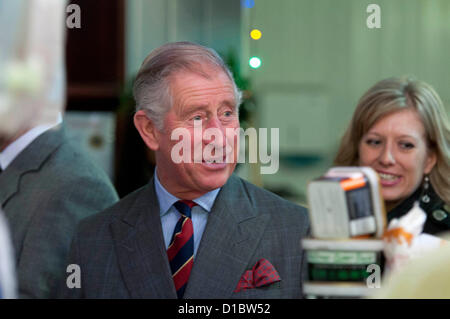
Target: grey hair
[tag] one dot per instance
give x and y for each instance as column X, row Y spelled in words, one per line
column 151, row 89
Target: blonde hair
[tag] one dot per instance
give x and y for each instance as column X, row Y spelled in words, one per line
column 392, row 95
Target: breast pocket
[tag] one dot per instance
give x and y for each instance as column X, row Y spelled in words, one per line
column 273, row 291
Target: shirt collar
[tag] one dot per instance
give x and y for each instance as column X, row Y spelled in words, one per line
column 166, row 200
column 15, row 148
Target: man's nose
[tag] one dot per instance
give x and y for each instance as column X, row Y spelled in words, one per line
column 387, row 156
column 214, row 132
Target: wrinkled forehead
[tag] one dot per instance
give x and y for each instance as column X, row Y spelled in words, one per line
column 199, row 81
column 208, row 71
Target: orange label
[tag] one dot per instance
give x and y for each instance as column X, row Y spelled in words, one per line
column 349, row 184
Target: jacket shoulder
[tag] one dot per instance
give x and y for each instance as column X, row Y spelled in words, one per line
column 69, row 160
column 114, row 212
column 265, row 201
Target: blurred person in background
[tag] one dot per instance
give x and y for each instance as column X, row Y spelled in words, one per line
column 401, row 130
column 46, row 184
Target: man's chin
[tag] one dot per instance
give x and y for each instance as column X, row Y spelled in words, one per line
column 216, row 179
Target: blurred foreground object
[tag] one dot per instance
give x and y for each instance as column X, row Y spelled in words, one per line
column 342, row 268
column 345, row 203
column 426, row 277
column 352, row 251
column 404, row 240
column 8, row 283
column 348, row 219
column 32, row 81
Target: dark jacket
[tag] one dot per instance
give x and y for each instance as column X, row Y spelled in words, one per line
column 121, row 251
column 438, row 212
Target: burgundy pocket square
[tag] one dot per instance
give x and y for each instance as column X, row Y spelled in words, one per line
column 262, row 274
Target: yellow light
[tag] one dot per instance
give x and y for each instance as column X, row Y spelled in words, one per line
column 255, row 34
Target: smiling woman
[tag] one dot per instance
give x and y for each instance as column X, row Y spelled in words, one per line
column 401, row 130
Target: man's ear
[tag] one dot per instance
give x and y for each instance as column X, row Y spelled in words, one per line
column 147, row 130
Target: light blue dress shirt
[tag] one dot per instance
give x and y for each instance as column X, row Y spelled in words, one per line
column 170, row 215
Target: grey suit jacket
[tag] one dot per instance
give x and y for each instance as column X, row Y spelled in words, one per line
column 121, row 251
column 44, row 193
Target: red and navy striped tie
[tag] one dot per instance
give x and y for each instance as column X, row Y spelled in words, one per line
column 181, row 248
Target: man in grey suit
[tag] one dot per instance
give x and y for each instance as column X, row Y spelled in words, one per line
column 196, row 230
column 46, row 186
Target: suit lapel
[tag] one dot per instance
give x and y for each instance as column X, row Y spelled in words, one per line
column 9, row 184
column 30, row 159
column 232, row 234
column 140, row 248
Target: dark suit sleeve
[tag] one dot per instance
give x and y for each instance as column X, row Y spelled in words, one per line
column 42, row 262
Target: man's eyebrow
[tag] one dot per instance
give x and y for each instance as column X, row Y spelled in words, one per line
column 190, row 110
column 230, row 103
column 198, row 107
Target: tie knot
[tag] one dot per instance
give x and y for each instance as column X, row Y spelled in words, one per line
column 184, row 207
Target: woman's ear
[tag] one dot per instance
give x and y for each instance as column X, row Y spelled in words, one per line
column 147, row 130
column 430, row 162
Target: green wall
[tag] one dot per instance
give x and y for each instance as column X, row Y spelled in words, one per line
column 318, row 57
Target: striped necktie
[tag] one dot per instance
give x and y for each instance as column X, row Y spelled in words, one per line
column 181, row 248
